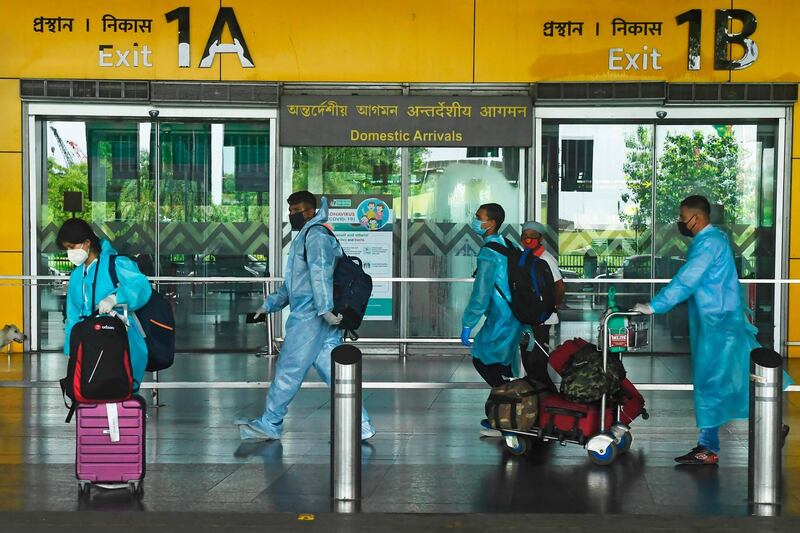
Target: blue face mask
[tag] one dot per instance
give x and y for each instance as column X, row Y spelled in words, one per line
column 477, row 227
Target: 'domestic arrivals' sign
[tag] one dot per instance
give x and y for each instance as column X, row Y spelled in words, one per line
column 405, row 121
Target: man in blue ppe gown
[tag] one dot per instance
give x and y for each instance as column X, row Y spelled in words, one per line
column 90, row 255
column 721, row 336
column 496, row 346
column 312, row 328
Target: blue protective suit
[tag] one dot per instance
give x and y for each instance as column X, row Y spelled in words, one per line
column 498, row 339
column 308, row 291
column 134, row 291
column 721, row 337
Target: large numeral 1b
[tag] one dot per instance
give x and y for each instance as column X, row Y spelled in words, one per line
column 723, row 38
column 695, row 20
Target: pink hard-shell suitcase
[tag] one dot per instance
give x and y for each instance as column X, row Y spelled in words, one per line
column 101, row 461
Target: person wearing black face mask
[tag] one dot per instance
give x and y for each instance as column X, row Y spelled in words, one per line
column 721, row 338
column 684, row 228
column 312, row 328
column 298, row 215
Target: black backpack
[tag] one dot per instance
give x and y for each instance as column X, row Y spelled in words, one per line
column 531, row 283
column 99, row 367
column 352, row 288
column 158, row 325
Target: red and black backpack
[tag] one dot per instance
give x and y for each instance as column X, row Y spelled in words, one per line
column 99, row 367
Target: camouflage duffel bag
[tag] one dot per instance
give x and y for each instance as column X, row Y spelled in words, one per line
column 514, row 405
column 583, row 379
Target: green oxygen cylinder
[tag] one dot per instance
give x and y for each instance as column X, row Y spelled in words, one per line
column 617, row 326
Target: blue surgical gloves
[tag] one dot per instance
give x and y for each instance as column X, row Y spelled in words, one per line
column 645, row 309
column 465, row 337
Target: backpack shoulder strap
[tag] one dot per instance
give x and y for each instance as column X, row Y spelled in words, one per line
column 499, row 248
column 326, row 228
column 112, row 270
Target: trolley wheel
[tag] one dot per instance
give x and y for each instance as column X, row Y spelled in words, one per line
column 517, row 445
column 625, row 442
column 605, row 458
column 84, row 487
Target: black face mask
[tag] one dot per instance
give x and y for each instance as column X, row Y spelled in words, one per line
column 683, row 228
column 297, row 221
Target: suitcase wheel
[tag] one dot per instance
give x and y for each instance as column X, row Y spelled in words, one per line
column 84, row 487
column 136, row 488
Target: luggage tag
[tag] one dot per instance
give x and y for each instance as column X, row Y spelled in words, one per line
column 113, row 422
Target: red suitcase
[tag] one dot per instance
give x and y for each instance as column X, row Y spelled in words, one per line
column 564, row 352
column 631, row 403
column 99, row 459
column 631, row 400
column 570, row 421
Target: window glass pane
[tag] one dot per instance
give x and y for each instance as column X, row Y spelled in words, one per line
column 102, row 169
column 597, row 183
column 733, row 165
column 447, row 187
column 214, row 217
column 352, row 178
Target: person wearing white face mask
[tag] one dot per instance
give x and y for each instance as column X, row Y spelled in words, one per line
column 91, row 289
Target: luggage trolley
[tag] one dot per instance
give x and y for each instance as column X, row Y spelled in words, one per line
column 611, row 440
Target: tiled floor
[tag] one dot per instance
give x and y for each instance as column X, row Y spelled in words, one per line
column 427, row 456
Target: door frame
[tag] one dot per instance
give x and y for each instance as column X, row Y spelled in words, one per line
column 648, row 115
column 37, row 111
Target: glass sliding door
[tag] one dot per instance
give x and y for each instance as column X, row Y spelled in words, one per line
column 734, row 166
column 214, row 222
column 594, row 179
column 101, row 171
column 613, row 192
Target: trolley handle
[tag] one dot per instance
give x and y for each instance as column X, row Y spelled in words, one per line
column 608, row 317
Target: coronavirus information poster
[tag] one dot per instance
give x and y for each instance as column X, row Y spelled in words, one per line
column 363, row 225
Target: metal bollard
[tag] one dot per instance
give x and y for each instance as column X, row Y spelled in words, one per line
column 764, row 458
column 346, row 424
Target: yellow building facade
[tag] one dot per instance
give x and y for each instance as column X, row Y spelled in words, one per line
column 609, row 65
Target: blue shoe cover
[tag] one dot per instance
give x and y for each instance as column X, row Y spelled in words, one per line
column 255, row 429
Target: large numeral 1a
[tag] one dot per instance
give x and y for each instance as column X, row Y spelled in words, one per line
column 181, row 14
column 695, row 20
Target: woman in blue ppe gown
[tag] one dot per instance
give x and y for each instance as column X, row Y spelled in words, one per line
column 721, row 336
column 311, row 329
column 88, row 253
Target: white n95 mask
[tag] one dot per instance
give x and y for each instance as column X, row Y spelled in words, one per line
column 77, row 256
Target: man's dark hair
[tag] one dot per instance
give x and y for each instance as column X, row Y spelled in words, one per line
column 76, row 231
column 495, row 212
column 302, row 197
column 697, row 202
